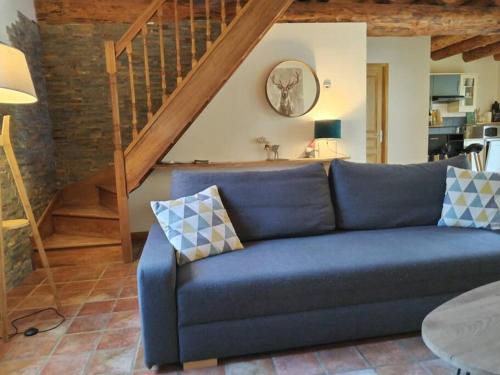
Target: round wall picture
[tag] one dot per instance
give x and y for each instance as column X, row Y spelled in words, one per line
column 292, row 88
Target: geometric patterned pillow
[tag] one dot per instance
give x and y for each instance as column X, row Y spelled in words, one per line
column 472, row 199
column 197, row 226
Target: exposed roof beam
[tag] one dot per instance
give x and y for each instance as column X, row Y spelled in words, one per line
column 452, row 2
column 401, row 20
column 442, row 41
column 478, row 53
column 497, row 57
column 118, row 11
column 466, row 45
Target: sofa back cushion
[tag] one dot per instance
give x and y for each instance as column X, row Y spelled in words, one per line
column 374, row 196
column 267, row 204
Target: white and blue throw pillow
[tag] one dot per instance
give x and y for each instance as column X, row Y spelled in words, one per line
column 197, row 226
column 472, row 199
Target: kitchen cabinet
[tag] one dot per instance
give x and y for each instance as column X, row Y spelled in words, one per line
column 467, row 89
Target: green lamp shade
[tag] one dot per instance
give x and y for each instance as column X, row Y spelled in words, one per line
column 327, row 129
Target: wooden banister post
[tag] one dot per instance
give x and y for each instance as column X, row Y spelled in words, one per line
column 223, row 23
column 118, row 156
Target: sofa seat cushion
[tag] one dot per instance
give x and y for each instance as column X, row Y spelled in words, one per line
column 339, row 269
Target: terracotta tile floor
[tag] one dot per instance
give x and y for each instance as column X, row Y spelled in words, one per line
column 102, row 336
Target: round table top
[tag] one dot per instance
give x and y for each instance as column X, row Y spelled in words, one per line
column 465, row 331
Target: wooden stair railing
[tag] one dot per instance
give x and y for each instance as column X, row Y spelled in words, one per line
column 240, row 28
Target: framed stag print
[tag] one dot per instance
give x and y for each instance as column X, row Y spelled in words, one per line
column 292, row 88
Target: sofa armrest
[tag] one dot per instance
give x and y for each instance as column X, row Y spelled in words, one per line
column 156, row 278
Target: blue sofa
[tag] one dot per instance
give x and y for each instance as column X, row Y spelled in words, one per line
column 327, row 258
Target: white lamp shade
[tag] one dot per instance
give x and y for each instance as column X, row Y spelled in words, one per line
column 16, row 86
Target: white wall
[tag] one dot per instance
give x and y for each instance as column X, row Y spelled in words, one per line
column 8, row 14
column 228, row 127
column 408, row 108
column 488, row 80
column 498, row 73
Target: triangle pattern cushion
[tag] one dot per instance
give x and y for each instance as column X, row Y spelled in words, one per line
column 472, row 199
column 197, row 226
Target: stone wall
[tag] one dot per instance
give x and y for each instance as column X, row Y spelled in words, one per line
column 31, row 132
column 78, row 88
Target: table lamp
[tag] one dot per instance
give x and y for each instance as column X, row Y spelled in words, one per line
column 324, row 132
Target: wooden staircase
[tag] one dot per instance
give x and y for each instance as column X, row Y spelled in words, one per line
column 88, row 222
column 81, row 225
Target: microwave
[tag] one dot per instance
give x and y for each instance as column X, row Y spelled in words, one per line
column 482, row 131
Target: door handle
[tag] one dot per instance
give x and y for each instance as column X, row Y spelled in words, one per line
column 381, row 136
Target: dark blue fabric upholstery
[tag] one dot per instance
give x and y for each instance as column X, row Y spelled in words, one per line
column 278, row 332
column 345, row 268
column 267, row 204
column 371, row 196
column 156, row 278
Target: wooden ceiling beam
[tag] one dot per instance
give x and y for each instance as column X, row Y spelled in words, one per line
column 401, row 20
column 442, row 41
column 479, row 53
column 117, row 11
column 497, row 57
column 466, row 45
column 452, row 2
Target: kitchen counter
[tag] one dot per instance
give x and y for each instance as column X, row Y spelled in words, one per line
column 433, row 130
column 447, row 129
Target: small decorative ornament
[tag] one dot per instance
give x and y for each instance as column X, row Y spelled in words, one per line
column 274, row 150
column 271, row 150
column 292, row 88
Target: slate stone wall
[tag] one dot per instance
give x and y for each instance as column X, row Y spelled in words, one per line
column 31, row 133
column 78, row 88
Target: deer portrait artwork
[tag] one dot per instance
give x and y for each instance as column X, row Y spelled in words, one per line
column 284, row 88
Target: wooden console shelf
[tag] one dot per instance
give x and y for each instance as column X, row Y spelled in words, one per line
column 249, row 164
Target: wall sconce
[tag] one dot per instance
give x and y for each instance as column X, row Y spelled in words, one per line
column 327, row 83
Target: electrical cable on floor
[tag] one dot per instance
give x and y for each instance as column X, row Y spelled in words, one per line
column 32, row 331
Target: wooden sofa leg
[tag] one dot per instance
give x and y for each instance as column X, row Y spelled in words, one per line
column 212, row 362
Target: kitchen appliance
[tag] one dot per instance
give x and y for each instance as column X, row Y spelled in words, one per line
column 482, row 131
column 495, row 110
column 487, row 135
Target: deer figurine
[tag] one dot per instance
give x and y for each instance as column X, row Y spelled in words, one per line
column 286, row 104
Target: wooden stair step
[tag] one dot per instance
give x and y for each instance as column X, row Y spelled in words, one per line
column 69, row 241
column 111, row 187
column 100, row 212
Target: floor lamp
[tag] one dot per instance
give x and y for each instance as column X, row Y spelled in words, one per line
column 16, row 87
